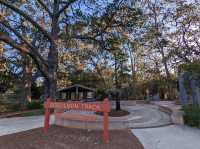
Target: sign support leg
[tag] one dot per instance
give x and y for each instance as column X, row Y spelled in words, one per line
column 47, row 116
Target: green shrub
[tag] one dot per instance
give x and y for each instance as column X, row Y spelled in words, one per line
column 34, row 113
column 100, row 95
column 192, row 116
column 34, row 105
column 15, row 107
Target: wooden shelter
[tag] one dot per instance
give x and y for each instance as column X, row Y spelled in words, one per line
column 77, row 92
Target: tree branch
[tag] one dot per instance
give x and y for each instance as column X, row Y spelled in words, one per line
column 24, row 49
column 45, row 7
column 31, row 47
column 9, row 41
column 27, row 17
column 67, row 4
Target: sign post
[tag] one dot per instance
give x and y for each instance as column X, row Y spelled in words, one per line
column 47, row 115
column 106, row 110
column 93, row 106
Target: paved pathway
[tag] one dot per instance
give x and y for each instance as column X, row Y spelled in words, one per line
column 145, row 115
column 141, row 116
column 18, row 124
column 170, row 137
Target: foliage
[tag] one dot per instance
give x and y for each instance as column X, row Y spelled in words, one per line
column 192, row 115
column 14, row 94
column 97, row 44
column 5, row 76
column 192, row 71
column 34, row 105
column 15, row 107
column 9, row 107
column 101, row 94
column 3, row 107
column 37, row 91
column 34, row 113
column 193, row 68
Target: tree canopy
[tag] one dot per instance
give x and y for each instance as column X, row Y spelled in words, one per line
column 114, row 43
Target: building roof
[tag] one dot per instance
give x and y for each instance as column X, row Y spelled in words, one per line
column 81, row 87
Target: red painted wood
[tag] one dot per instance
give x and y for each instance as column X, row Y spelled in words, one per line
column 75, row 106
column 106, row 107
column 97, row 106
column 77, row 117
column 47, row 115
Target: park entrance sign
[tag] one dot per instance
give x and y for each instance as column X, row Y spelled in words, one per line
column 59, row 108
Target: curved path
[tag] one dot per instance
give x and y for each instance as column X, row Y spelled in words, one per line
column 145, row 116
column 141, row 116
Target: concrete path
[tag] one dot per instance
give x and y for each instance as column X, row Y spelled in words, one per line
column 140, row 116
column 169, row 137
column 18, row 124
column 146, row 116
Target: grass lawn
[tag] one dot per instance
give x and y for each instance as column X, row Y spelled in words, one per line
column 33, row 113
column 36, row 112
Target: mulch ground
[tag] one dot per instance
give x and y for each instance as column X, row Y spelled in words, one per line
column 67, row 138
column 114, row 113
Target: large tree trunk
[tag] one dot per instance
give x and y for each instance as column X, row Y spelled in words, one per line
column 170, row 90
column 53, row 54
column 27, row 80
column 117, row 86
column 132, row 59
column 52, row 87
column 28, row 83
column 52, row 78
column 164, row 61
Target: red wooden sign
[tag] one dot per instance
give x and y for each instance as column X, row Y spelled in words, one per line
column 96, row 106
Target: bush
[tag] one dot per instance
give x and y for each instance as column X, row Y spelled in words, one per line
column 100, row 95
column 34, row 105
column 15, row 107
column 192, row 116
column 37, row 91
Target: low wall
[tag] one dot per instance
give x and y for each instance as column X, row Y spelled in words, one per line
column 172, row 109
column 134, row 120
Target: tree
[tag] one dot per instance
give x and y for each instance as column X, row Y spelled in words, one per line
column 45, row 26
column 185, row 43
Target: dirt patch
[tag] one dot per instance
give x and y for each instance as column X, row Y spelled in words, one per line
column 66, row 138
column 114, row 113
